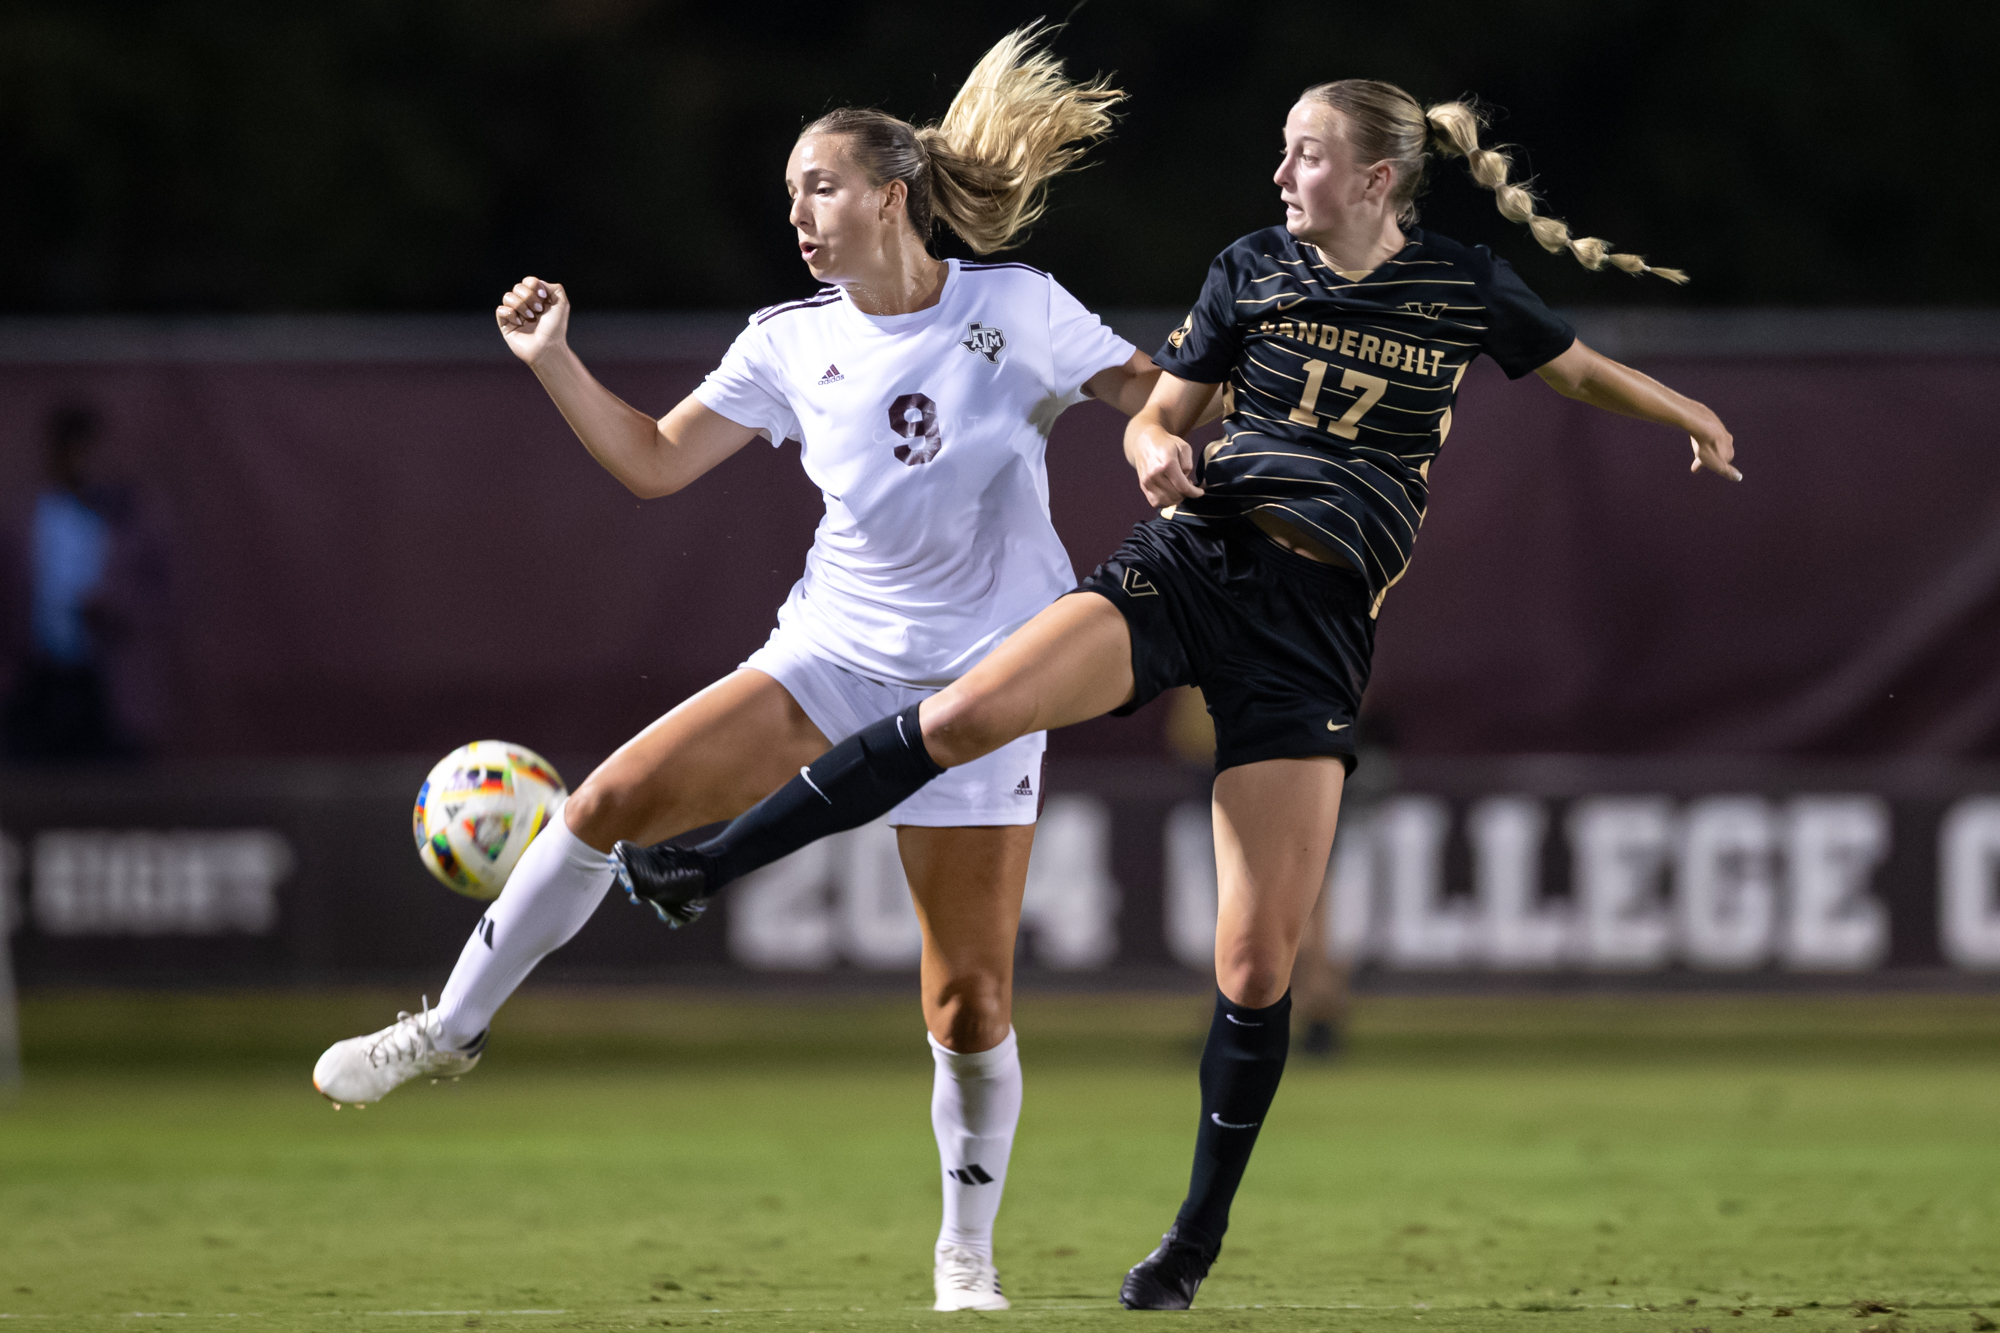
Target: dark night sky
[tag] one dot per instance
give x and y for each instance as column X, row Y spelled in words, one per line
column 419, row 155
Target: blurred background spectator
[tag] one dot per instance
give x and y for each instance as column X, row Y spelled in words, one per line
column 90, row 590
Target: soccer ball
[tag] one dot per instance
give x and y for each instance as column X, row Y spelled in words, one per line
column 478, row 811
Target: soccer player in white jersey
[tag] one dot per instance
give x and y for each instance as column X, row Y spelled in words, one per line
column 923, row 393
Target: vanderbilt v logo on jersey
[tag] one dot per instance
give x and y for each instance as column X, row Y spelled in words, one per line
column 983, row 341
column 1428, row 309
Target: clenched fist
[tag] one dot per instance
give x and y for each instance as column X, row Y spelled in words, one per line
column 534, row 318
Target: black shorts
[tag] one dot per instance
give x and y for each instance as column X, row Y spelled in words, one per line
column 1279, row 644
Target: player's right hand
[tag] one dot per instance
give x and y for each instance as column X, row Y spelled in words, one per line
column 534, row 318
column 1165, row 464
column 1714, row 449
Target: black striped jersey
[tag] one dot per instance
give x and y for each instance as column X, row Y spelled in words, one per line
column 1339, row 386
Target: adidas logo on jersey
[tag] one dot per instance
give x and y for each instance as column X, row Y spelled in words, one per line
column 832, row 376
column 1026, row 788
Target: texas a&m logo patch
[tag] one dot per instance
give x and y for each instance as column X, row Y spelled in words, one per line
column 983, row 341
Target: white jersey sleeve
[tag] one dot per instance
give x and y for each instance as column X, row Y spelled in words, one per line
column 1079, row 343
column 746, row 389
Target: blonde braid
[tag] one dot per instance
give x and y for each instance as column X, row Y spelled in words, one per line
column 1456, row 127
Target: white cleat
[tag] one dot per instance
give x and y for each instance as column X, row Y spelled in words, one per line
column 966, row 1280
column 367, row 1069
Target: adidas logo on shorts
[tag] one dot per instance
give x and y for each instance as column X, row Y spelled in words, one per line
column 832, row 375
column 1026, row 788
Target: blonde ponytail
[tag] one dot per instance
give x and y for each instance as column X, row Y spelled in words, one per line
column 984, row 170
column 1385, row 124
column 1457, row 127
column 1016, row 125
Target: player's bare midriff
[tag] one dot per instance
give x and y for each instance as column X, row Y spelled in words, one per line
column 1289, row 537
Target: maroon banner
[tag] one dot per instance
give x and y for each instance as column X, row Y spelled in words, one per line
column 368, row 540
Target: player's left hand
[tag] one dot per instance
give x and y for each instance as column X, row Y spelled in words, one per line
column 1714, row 447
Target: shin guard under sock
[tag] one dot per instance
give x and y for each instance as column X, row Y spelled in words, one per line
column 862, row 778
column 1240, row 1069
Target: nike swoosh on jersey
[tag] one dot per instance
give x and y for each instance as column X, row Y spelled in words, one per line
column 1342, row 727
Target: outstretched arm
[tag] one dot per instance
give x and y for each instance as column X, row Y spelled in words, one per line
column 1591, row 377
column 1130, row 386
column 652, row 458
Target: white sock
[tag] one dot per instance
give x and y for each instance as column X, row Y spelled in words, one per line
column 975, row 1104
column 557, row 885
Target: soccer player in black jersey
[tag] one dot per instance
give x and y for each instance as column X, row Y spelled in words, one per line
column 1340, row 340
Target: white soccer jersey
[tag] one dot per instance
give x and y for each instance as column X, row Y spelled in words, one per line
column 927, row 433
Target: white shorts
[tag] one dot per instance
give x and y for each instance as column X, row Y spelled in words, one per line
column 1004, row 787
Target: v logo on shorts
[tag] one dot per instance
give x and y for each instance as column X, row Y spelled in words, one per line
column 1138, row 585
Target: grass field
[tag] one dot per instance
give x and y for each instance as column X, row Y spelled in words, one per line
column 648, row 1158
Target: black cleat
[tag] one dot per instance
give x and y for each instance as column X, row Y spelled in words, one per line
column 671, row 880
column 1168, row 1278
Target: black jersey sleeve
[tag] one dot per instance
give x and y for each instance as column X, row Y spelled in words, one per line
column 1522, row 334
column 1207, row 345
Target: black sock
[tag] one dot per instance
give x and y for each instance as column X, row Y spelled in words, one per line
column 1240, row 1069
column 865, row 776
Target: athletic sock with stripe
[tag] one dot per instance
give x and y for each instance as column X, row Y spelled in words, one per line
column 557, row 885
column 975, row 1105
column 1240, row 1069
column 862, row 778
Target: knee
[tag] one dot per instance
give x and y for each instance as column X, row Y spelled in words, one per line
column 971, row 1013
column 961, row 726
column 1254, row 978
column 604, row 810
